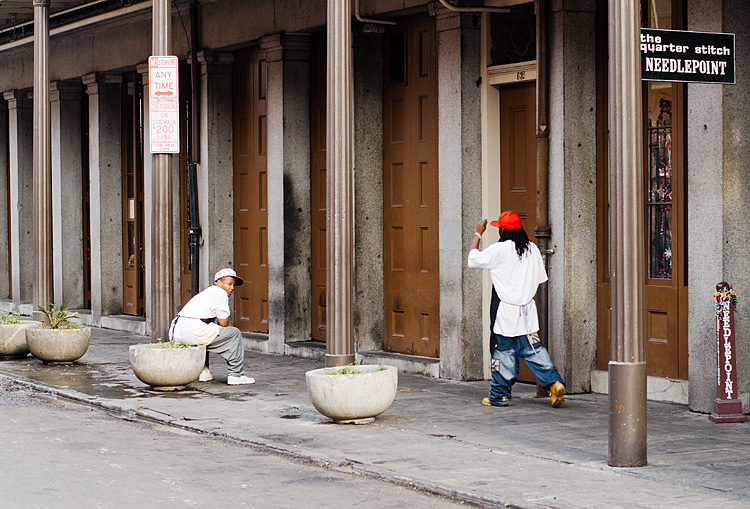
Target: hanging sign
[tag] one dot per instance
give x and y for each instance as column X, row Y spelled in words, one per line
column 692, row 57
column 164, row 111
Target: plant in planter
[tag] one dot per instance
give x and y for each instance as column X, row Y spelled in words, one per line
column 59, row 340
column 352, row 394
column 13, row 336
column 166, row 365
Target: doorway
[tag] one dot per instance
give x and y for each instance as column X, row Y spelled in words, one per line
column 410, row 189
column 132, row 192
column 318, row 190
column 518, row 163
column 250, row 189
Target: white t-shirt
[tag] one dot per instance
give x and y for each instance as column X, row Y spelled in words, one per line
column 515, row 282
column 189, row 328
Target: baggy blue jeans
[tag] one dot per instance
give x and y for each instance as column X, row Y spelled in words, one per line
column 504, row 364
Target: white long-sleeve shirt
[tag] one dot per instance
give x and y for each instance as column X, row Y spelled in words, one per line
column 515, row 281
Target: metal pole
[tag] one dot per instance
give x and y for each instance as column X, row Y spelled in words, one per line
column 42, row 163
column 161, row 225
column 339, row 161
column 627, row 367
column 542, row 232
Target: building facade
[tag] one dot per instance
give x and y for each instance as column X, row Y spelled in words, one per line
column 446, row 132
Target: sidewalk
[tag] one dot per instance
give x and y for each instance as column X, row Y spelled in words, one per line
column 436, row 436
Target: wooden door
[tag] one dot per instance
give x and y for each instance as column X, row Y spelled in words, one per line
column 518, row 162
column 186, row 275
column 250, row 190
column 410, row 189
column 665, row 223
column 86, row 199
column 132, row 193
column 665, row 292
column 318, row 185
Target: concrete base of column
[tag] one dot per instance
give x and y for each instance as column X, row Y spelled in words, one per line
column 333, row 360
column 627, row 414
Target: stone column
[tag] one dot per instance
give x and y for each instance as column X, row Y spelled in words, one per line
column 148, row 195
column 105, row 167
column 368, row 188
column 4, row 191
column 67, row 193
column 572, row 191
column 20, row 122
column 215, row 171
column 460, row 193
column 724, row 109
column 288, row 159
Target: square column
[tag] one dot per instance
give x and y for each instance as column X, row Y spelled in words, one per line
column 4, row 226
column 67, row 193
column 288, row 102
column 21, row 220
column 215, row 171
column 460, row 191
column 368, row 188
column 105, row 166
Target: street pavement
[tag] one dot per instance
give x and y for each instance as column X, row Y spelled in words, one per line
column 436, row 436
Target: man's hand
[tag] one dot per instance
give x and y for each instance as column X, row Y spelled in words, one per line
column 481, row 226
column 223, row 321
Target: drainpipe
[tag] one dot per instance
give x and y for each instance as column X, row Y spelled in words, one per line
column 194, row 230
column 454, row 8
column 542, row 230
column 42, row 163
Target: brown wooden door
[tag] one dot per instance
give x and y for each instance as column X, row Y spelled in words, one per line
column 518, row 162
column 186, row 278
column 318, row 185
column 665, row 226
column 665, row 292
column 250, row 190
column 410, row 189
column 132, row 192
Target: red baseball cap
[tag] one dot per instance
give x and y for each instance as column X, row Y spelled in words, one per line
column 508, row 220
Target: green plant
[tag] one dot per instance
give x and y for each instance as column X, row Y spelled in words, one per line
column 58, row 317
column 9, row 319
column 350, row 369
column 165, row 344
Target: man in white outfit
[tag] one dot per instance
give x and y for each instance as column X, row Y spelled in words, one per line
column 517, row 269
column 205, row 321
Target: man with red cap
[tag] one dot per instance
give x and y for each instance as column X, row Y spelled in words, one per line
column 517, row 269
column 194, row 325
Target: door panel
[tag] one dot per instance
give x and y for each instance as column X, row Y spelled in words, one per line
column 318, row 191
column 410, row 189
column 250, row 190
column 132, row 192
column 518, row 162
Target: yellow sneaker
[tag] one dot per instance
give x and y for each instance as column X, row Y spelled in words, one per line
column 503, row 402
column 557, row 393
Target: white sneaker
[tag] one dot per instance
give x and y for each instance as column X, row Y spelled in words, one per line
column 205, row 375
column 239, row 380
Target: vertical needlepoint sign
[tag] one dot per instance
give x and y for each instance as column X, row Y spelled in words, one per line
column 164, row 111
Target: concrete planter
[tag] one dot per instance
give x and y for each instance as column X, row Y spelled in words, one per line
column 167, row 369
column 13, row 340
column 58, row 346
column 353, row 398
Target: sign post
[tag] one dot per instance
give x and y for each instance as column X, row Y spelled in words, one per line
column 727, row 408
column 164, row 117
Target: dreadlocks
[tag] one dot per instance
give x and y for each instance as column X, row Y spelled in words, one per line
column 519, row 238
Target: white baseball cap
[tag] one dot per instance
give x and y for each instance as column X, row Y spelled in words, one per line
column 229, row 272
